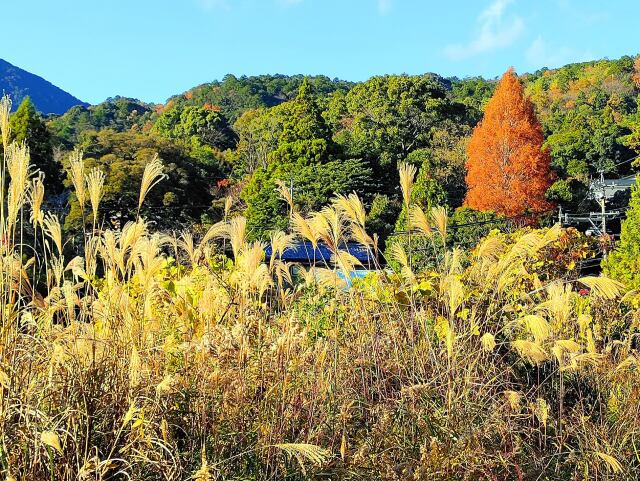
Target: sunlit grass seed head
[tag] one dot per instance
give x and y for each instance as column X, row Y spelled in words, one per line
column 152, row 175
column 36, row 198
column 17, row 161
column 5, row 115
column 407, row 174
column 95, row 186
column 77, row 175
column 53, row 230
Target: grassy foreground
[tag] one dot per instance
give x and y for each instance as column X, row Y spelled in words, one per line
column 155, row 357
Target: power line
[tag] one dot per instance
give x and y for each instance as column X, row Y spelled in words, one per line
column 626, row 161
column 480, row 223
column 588, row 193
column 630, row 176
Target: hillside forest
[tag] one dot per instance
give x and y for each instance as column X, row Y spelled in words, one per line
column 240, row 136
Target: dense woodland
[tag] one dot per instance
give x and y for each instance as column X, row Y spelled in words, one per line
column 240, row 136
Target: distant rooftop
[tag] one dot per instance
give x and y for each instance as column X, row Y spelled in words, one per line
column 304, row 253
column 612, row 186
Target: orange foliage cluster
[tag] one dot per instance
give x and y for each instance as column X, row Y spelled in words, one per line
column 508, row 172
column 636, row 74
column 188, row 95
column 223, row 183
column 214, row 108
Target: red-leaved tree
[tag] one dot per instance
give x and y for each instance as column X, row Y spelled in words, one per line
column 508, row 171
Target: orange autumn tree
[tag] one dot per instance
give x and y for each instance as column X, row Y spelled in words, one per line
column 636, row 72
column 508, row 171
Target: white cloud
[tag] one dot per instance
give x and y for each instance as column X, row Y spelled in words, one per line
column 385, row 6
column 494, row 32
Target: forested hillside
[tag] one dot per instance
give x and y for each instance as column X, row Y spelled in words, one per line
column 243, row 136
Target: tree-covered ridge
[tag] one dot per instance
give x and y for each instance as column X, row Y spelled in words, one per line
column 325, row 136
column 587, row 111
column 119, row 114
column 235, row 95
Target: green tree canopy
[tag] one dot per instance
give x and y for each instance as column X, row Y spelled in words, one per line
column 182, row 199
column 118, row 113
column 258, row 134
column 205, row 125
column 235, row 95
column 306, row 155
column 385, row 118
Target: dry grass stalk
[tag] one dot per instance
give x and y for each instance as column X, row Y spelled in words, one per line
column 152, row 175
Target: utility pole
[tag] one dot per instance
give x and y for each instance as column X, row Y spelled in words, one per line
column 560, row 215
column 603, row 209
column 599, row 194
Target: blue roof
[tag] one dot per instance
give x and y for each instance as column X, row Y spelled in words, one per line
column 304, row 253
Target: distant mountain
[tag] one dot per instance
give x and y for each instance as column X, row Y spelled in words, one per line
column 47, row 98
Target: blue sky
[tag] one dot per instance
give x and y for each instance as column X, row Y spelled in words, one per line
column 151, row 49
